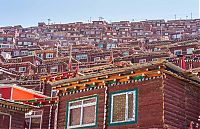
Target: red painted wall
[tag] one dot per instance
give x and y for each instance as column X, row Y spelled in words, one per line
column 23, row 95
column 5, row 92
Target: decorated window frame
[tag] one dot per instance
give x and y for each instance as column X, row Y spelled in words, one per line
column 79, row 104
column 123, row 108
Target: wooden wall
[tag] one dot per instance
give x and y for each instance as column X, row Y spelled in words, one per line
column 48, row 111
column 150, row 104
column 18, row 118
column 181, row 103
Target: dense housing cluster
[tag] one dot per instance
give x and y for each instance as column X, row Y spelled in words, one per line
column 101, row 75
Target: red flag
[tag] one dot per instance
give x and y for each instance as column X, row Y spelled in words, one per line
column 191, row 123
column 76, row 69
column 70, row 65
column 70, row 59
column 111, row 57
column 183, row 63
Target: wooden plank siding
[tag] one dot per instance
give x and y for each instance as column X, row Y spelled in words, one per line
column 150, row 104
column 17, row 118
column 48, row 117
column 150, row 108
column 181, row 103
column 163, row 102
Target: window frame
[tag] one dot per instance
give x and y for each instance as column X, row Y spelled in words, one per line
column 189, row 52
column 10, row 116
column 54, row 69
column 97, row 59
column 74, row 107
column 175, row 51
column 32, row 116
column 49, row 55
column 142, row 61
column 133, row 121
column 22, row 71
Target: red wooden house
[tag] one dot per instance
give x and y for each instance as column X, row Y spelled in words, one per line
column 33, row 109
column 12, row 114
column 152, row 95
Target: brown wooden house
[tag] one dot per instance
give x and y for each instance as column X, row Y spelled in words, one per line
column 152, row 95
column 12, row 114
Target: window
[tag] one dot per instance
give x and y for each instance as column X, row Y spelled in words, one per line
column 142, row 60
column 22, row 69
column 33, row 120
column 22, row 35
column 53, row 93
column 40, row 56
column 177, row 52
column 100, row 45
column 107, row 57
column 126, row 53
column 9, row 39
column 82, row 112
column 49, row 55
column 12, row 69
column 5, row 121
column 54, row 69
column 110, row 46
column 5, row 46
column 97, row 59
column 30, row 53
column 156, row 49
column 81, row 56
column 190, row 50
column 1, row 39
column 154, row 59
column 24, row 52
column 19, row 43
column 123, row 107
column 25, row 43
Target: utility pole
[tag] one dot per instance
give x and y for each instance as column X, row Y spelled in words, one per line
column 191, row 16
column 175, row 16
column 161, row 30
column 49, row 20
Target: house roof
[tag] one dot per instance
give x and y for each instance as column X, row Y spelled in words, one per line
column 15, row 106
column 20, row 93
column 112, row 73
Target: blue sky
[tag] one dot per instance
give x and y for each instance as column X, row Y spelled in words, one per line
column 30, row 12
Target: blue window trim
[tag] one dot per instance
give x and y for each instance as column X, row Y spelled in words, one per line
column 82, row 98
column 136, row 108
